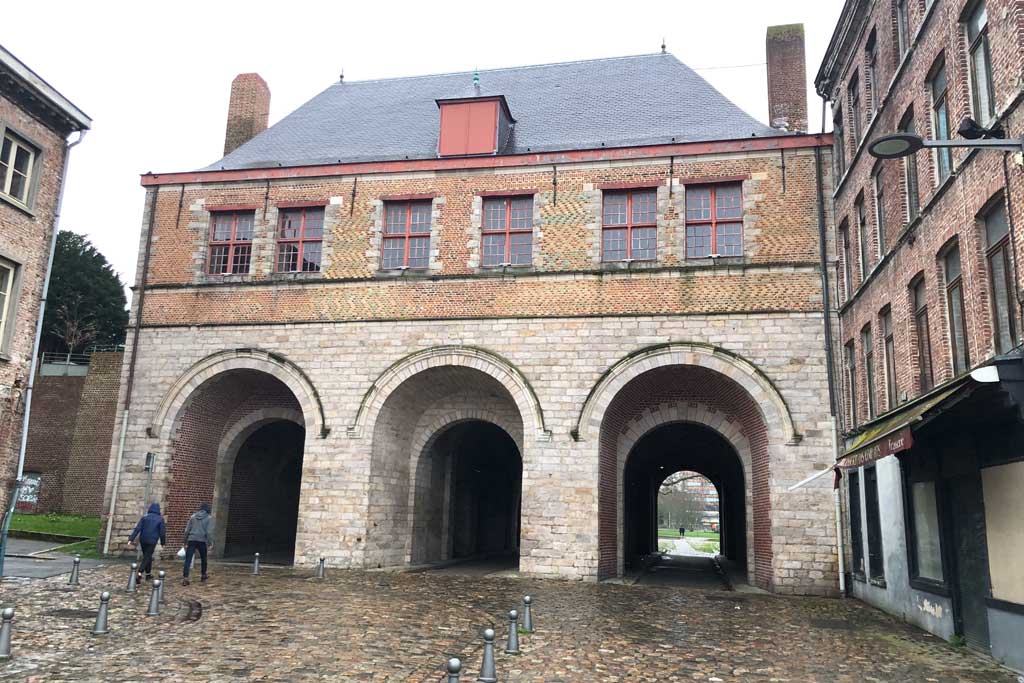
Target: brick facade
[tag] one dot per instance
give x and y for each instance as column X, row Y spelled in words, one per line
column 40, row 120
column 951, row 211
column 381, row 366
column 70, row 436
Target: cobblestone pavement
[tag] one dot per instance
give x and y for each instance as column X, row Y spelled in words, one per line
column 368, row 626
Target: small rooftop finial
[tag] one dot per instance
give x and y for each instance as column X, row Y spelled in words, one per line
column 476, row 77
column 341, row 78
column 662, row 46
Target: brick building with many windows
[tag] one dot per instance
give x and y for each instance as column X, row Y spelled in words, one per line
column 929, row 293
column 460, row 315
column 35, row 122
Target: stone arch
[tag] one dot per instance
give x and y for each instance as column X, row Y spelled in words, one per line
column 705, row 416
column 476, row 358
column 275, row 365
column 226, row 454
column 667, row 384
column 760, row 388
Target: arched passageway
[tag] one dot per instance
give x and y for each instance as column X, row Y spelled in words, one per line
column 263, row 509
column 468, row 492
column 237, row 442
column 445, row 470
column 671, row 448
column 683, row 417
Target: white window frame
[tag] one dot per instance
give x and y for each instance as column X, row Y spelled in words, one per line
column 5, row 182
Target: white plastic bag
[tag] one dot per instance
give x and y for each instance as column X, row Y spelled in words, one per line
column 181, row 553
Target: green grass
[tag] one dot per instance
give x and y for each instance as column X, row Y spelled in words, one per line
column 705, row 546
column 67, row 525
column 674, row 533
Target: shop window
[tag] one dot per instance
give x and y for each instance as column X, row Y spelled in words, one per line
column 876, row 561
column 923, row 526
column 856, row 535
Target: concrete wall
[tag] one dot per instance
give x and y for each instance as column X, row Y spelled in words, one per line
column 933, row 613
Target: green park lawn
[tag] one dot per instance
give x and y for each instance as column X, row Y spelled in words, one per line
column 674, row 533
column 65, row 525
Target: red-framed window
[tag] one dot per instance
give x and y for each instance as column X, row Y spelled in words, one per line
column 231, row 242
column 406, row 234
column 714, row 220
column 630, row 225
column 508, row 231
column 300, row 234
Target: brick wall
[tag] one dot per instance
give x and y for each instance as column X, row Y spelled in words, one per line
column 248, row 110
column 51, row 431
column 25, row 240
column 950, row 209
column 71, row 433
column 787, row 77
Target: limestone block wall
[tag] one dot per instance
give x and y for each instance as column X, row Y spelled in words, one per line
column 343, row 373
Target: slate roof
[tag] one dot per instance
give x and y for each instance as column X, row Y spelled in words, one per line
column 616, row 102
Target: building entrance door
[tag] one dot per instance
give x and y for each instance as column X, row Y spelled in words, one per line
column 967, row 509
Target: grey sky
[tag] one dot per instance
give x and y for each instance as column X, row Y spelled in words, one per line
column 155, row 77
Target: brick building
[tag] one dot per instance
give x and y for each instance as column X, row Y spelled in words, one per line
column 930, row 291
column 35, row 121
column 458, row 316
column 69, row 439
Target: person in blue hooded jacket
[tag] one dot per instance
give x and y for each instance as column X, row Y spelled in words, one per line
column 149, row 530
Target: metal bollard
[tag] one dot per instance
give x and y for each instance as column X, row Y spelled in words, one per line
column 454, row 669
column 163, row 582
column 527, row 614
column 512, row 648
column 73, row 579
column 256, row 565
column 154, row 600
column 5, row 634
column 321, row 569
column 133, row 580
column 101, row 616
column 488, row 674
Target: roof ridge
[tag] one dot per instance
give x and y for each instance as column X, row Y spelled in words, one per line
column 508, row 68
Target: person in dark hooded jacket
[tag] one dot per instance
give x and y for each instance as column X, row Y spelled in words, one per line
column 197, row 539
column 149, row 530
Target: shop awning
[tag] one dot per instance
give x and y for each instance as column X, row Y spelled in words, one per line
column 894, row 434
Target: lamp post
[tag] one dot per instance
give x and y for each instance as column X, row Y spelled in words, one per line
column 902, row 145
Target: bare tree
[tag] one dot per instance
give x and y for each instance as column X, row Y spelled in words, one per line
column 72, row 326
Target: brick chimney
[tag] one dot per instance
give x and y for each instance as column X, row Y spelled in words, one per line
column 787, row 77
column 248, row 110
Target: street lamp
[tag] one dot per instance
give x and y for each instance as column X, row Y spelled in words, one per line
column 901, row 145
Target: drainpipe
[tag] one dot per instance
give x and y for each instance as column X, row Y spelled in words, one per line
column 35, row 354
column 125, row 412
column 829, row 366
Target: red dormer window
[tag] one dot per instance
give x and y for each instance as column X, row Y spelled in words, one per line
column 473, row 126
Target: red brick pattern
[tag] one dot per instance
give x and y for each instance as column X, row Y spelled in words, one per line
column 787, row 87
column 950, row 210
column 51, row 430
column 25, row 239
column 681, row 385
column 248, row 110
